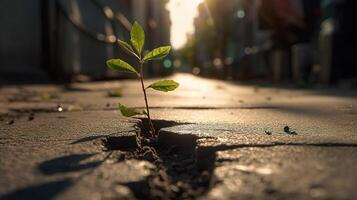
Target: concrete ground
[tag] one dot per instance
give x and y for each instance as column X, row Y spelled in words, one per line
column 51, row 140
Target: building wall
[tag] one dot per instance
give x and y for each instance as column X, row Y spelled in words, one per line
column 76, row 52
column 29, row 38
column 20, row 35
column 226, row 35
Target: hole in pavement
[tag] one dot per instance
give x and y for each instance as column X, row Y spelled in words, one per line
column 177, row 175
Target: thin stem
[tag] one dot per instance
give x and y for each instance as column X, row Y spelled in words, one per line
column 146, row 99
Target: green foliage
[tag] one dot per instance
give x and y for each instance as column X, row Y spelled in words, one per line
column 137, row 37
column 121, row 65
column 137, row 44
column 126, row 47
column 164, row 85
column 158, row 53
column 127, row 112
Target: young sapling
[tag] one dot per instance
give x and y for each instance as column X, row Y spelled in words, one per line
column 136, row 49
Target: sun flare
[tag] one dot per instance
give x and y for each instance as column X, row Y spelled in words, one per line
column 182, row 13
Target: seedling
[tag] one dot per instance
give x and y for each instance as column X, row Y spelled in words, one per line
column 136, row 49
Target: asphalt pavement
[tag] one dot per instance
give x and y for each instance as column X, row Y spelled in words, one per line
column 252, row 142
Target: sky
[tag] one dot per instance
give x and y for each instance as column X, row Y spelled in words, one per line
column 182, row 13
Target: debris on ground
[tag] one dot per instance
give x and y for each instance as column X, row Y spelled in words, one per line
column 268, row 133
column 31, row 117
column 288, row 131
column 114, row 93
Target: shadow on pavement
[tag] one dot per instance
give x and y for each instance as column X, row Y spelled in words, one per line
column 87, row 139
column 69, row 163
column 41, row 191
column 49, row 190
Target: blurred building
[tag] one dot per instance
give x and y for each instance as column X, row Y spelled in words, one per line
column 227, row 37
column 281, row 40
column 20, row 39
column 66, row 38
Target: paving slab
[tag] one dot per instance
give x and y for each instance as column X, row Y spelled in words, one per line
column 61, row 156
column 285, row 172
column 250, row 126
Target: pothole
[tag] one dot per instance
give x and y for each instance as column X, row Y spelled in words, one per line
column 177, row 174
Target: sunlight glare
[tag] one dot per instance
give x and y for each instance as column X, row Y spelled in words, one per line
column 182, row 13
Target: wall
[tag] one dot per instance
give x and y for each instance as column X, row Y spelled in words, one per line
column 20, row 36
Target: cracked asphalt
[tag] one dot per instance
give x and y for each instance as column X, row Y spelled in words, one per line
column 238, row 132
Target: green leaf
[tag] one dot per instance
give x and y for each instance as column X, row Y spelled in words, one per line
column 137, row 37
column 121, row 65
column 158, row 53
column 164, row 85
column 127, row 112
column 125, row 46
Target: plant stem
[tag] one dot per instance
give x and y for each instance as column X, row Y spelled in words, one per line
column 146, row 99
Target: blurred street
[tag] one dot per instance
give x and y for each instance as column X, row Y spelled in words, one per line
column 249, row 141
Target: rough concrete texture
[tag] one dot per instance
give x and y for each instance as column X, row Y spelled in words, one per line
column 285, row 172
column 61, row 155
column 237, row 132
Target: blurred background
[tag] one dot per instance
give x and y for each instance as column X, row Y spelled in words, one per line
column 282, row 41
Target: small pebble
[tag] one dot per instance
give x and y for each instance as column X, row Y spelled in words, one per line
column 31, row 117
column 10, row 122
column 268, row 133
column 293, row 133
column 287, row 129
